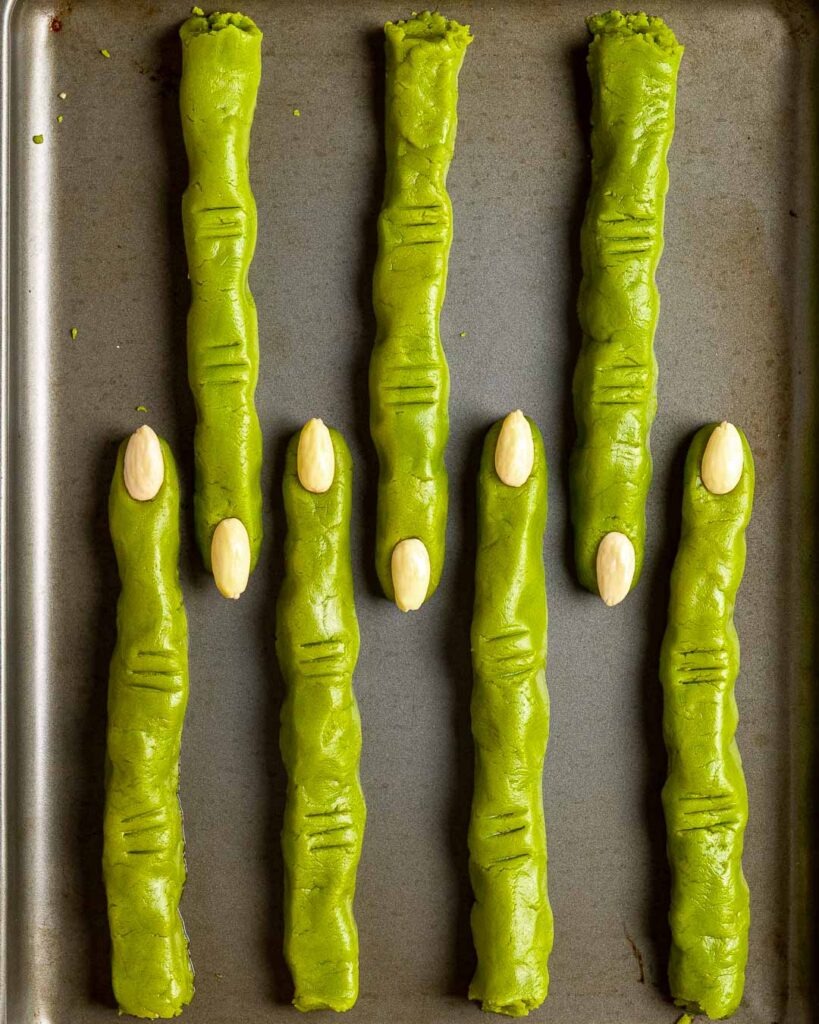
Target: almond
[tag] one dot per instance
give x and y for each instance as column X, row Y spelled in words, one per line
column 722, row 460
column 410, row 573
column 230, row 557
column 143, row 467
column 615, row 567
column 316, row 457
column 515, row 450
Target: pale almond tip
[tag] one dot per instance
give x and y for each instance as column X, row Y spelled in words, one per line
column 406, row 606
column 229, row 593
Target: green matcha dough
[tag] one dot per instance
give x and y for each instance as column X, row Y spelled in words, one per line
column 317, row 645
column 143, row 849
column 633, row 63
column 221, row 69
column 705, row 800
column 511, row 918
column 409, row 377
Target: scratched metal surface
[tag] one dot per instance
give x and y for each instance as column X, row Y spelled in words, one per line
column 94, row 241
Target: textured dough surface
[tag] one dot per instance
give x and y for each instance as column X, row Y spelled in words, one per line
column 409, row 377
column 143, row 847
column 221, row 69
column 633, row 63
column 705, row 799
column 511, row 918
column 317, row 645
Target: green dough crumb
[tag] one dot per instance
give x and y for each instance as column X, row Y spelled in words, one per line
column 296, row 112
column 198, row 12
column 141, row 408
column 74, row 333
column 38, row 139
column 626, row 26
column 59, row 118
column 105, row 53
column 63, row 95
column 462, row 334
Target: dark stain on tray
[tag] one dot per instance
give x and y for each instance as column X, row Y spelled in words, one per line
column 60, row 13
column 166, row 76
column 638, row 956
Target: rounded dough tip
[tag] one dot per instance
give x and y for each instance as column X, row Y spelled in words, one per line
column 410, row 574
column 616, row 561
column 230, row 558
column 143, row 466
column 515, row 450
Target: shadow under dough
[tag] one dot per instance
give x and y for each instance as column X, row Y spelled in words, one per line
column 656, row 580
column 565, row 443
column 271, row 570
column 458, row 659
column 368, row 477
column 91, row 757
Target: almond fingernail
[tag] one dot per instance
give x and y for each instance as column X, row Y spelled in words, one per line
column 722, row 460
column 143, row 467
column 515, row 450
column 615, row 567
column 410, row 574
column 315, row 458
column 230, row 557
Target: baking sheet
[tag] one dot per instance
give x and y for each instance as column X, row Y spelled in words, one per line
column 94, row 242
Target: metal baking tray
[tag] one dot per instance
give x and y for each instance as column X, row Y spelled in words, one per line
column 92, row 239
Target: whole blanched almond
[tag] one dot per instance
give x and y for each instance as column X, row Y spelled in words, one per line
column 410, row 573
column 143, row 467
column 316, row 457
column 515, row 450
column 722, row 460
column 230, row 557
column 615, row 567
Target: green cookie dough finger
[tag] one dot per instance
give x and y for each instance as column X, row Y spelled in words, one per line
column 511, row 918
column 409, row 377
column 221, row 68
column 317, row 645
column 633, row 63
column 143, row 848
column 705, row 800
